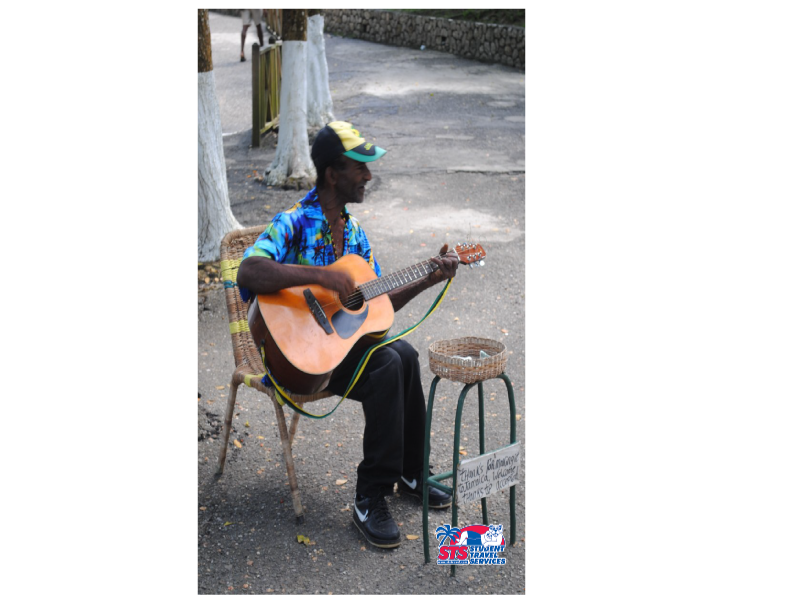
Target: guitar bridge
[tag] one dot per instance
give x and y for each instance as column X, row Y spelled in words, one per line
column 317, row 311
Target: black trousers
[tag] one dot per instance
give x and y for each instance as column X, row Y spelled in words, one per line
column 390, row 391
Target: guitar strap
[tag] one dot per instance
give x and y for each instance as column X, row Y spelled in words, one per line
column 283, row 396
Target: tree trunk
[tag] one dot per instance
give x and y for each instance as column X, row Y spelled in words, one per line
column 319, row 102
column 292, row 164
column 215, row 218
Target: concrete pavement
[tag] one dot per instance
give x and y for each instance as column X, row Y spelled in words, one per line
column 454, row 171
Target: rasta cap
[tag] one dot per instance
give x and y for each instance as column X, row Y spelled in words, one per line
column 340, row 137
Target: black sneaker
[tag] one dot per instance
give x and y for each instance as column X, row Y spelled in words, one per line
column 371, row 516
column 413, row 487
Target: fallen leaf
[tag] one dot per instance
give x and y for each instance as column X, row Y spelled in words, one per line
column 341, row 481
column 202, row 508
column 261, row 437
column 237, row 443
column 464, row 452
column 249, row 563
column 412, row 537
column 220, row 387
column 227, row 523
column 247, row 423
column 303, row 539
column 519, row 417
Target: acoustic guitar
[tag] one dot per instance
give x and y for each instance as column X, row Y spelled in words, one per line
column 307, row 331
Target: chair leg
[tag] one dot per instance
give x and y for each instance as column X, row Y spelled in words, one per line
column 227, row 428
column 287, row 457
column 293, row 428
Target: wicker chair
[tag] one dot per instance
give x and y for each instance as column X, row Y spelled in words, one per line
column 249, row 368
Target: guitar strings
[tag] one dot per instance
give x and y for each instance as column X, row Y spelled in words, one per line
column 356, row 299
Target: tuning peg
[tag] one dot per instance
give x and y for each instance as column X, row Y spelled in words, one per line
column 481, row 263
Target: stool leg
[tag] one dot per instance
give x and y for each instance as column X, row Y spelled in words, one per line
column 226, row 430
column 287, row 457
column 484, row 509
column 513, row 493
column 456, row 442
column 426, row 470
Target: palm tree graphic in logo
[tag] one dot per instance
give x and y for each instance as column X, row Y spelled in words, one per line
column 447, row 534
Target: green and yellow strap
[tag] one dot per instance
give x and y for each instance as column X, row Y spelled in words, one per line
column 283, row 397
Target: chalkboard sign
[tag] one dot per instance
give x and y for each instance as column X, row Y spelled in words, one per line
column 487, row 474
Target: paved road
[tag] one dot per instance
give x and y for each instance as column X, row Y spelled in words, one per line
column 454, row 171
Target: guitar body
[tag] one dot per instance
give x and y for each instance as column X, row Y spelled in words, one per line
column 299, row 352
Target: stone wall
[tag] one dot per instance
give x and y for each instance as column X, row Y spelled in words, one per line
column 504, row 44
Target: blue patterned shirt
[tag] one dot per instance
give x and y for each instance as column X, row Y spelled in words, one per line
column 301, row 236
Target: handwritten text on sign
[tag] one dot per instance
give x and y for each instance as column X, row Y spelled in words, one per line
column 487, row 474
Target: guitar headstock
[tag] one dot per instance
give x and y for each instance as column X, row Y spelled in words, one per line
column 470, row 254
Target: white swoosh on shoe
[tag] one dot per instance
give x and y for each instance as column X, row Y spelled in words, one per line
column 412, row 484
column 362, row 516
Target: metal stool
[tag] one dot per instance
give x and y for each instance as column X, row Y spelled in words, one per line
column 452, row 372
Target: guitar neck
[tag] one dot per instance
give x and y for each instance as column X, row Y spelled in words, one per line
column 387, row 283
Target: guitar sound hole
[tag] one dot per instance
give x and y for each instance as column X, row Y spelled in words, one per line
column 353, row 302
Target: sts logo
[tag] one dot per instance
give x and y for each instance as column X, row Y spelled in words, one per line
column 471, row 545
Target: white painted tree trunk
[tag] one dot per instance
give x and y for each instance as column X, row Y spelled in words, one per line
column 292, row 163
column 215, row 218
column 320, row 105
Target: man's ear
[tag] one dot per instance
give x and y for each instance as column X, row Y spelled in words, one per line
column 330, row 176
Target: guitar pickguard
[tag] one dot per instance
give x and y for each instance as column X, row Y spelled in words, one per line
column 346, row 324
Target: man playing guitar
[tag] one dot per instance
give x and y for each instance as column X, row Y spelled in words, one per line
column 294, row 251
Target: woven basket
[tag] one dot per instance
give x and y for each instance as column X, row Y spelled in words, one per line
column 459, row 359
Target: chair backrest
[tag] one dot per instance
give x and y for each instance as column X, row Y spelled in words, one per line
column 232, row 249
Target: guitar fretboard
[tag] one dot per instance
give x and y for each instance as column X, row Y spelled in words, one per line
column 390, row 282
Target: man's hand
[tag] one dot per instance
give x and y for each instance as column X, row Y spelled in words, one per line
column 447, row 266
column 338, row 281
